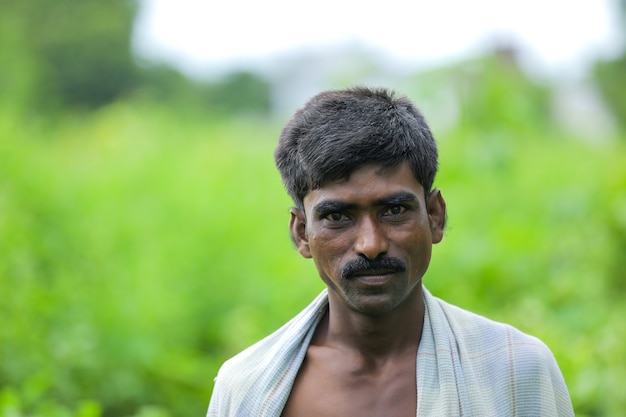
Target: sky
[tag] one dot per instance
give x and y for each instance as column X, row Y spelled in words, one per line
column 196, row 35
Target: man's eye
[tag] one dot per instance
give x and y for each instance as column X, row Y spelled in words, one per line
column 395, row 211
column 336, row 217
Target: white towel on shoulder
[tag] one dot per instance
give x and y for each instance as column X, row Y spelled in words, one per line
column 467, row 365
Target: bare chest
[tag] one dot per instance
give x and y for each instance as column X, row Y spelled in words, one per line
column 346, row 387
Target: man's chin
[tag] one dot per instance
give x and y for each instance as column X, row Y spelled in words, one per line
column 374, row 304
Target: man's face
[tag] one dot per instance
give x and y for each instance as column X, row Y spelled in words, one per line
column 370, row 236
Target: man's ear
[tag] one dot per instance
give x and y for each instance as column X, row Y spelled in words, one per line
column 436, row 215
column 297, row 226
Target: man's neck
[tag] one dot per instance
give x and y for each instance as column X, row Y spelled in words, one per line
column 379, row 336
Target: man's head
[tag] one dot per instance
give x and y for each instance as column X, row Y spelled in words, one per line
column 337, row 132
column 360, row 166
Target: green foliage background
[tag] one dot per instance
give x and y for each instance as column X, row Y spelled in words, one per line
column 142, row 246
column 143, row 227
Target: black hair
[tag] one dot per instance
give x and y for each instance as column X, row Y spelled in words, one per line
column 339, row 131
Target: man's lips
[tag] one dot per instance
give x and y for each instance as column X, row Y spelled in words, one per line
column 373, row 276
column 373, row 273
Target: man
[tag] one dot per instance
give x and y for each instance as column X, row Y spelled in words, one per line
column 359, row 164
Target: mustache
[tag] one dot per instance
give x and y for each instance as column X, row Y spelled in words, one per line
column 364, row 264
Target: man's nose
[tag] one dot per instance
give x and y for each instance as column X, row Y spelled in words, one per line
column 370, row 240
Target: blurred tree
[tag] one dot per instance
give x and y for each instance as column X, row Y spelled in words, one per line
column 86, row 48
column 240, row 91
column 160, row 83
column 494, row 93
column 611, row 79
column 489, row 93
column 610, row 76
column 69, row 54
column 66, row 52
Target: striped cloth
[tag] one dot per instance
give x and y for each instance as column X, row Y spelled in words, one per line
column 467, row 365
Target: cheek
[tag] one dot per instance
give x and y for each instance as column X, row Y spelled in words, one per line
column 416, row 242
column 420, row 253
column 328, row 250
column 416, row 234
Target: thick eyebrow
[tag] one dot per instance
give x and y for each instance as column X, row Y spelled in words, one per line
column 401, row 197
column 331, row 206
